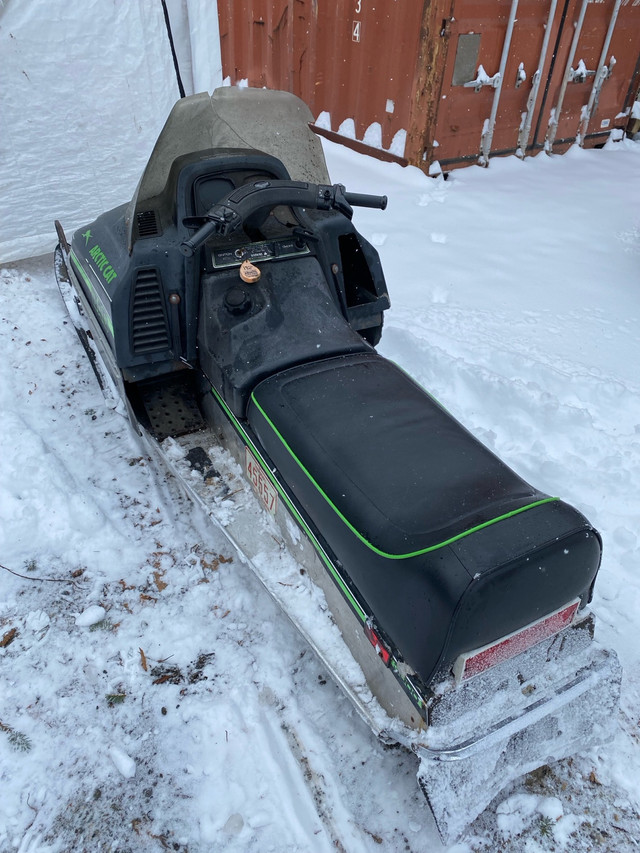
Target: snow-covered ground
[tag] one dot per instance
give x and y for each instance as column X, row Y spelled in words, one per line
column 154, row 699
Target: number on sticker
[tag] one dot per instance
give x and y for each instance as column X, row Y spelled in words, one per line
column 356, row 31
column 261, row 483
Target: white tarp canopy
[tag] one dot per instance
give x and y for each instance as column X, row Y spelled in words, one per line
column 85, row 88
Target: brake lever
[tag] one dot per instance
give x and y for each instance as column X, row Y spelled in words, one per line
column 340, row 202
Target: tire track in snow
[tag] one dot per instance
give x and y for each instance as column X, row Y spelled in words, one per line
column 308, row 815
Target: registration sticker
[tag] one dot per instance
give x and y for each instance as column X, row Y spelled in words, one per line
column 261, row 483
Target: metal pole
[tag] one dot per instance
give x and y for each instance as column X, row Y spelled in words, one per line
column 600, row 77
column 525, row 129
column 487, row 136
column 553, row 123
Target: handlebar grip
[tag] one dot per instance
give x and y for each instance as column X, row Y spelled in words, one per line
column 379, row 202
column 189, row 247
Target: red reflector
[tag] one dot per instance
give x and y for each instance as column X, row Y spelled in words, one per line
column 478, row 661
column 383, row 653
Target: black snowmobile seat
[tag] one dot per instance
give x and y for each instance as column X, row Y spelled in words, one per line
column 395, row 467
column 445, row 544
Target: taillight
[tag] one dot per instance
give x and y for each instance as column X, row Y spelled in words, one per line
column 378, row 644
column 473, row 663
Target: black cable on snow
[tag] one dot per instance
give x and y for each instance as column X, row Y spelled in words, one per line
column 173, row 49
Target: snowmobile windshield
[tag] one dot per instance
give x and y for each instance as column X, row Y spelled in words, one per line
column 279, row 125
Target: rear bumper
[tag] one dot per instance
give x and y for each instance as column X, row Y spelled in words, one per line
column 489, row 733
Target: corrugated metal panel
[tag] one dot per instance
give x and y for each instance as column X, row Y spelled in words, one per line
column 380, row 70
column 346, row 59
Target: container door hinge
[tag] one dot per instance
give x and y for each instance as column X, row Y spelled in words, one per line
column 445, row 29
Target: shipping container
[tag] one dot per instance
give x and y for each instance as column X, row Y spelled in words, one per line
column 444, row 83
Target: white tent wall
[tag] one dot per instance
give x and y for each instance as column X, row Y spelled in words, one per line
column 179, row 22
column 196, row 38
column 204, row 40
column 85, row 87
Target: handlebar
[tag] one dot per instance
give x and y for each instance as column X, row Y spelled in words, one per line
column 230, row 213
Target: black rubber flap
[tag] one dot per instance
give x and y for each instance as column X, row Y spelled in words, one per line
column 394, row 465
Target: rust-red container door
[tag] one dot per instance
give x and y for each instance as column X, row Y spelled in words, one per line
column 478, row 33
column 597, row 58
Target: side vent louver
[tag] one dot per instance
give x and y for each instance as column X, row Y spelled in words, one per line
column 147, row 224
column 149, row 324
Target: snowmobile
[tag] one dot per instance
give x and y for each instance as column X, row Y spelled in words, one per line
column 233, row 309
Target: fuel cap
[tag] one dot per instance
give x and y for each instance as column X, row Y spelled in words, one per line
column 237, row 300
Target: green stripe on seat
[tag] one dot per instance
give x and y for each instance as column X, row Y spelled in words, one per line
column 359, row 535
